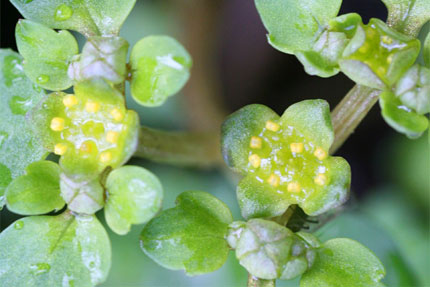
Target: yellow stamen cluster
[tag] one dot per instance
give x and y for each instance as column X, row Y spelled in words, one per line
column 117, row 115
column 294, row 187
column 57, row 124
column 320, row 179
column 273, row 180
column 92, row 107
column 70, row 101
column 112, row 137
column 60, row 149
column 256, row 143
column 296, row 147
column 320, row 154
column 255, row 160
column 272, row 126
column 105, row 157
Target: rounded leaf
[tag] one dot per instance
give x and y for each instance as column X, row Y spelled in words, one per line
column 36, row 192
column 400, row 117
column 58, row 250
column 189, row 236
column 294, row 24
column 344, row 262
column 160, row 68
column 134, row 196
column 47, row 54
column 426, row 51
column 19, row 144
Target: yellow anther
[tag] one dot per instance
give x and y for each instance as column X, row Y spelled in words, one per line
column 296, row 147
column 70, row 101
column 320, row 154
column 256, row 142
column 387, row 40
column 86, row 147
column 60, row 149
column 320, row 179
column 112, row 137
column 294, row 187
column 273, row 180
column 117, row 115
column 255, row 160
column 57, row 124
column 92, row 107
column 105, row 156
column 272, row 126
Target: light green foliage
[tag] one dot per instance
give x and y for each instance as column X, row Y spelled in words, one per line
column 90, row 130
column 36, row 192
column 268, row 250
column 160, row 68
column 377, row 56
column 19, row 145
column 426, row 51
column 103, row 57
column 344, row 262
column 134, row 196
column 63, row 250
column 90, row 17
column 285, row 159
column 408, row 16
column 293, row 25
column 322, row 59
column 400, row 117
column 413, row 89
column 191, row 235
column 47, row 54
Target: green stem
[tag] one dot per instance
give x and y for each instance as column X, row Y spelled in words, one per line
column 349, row 113
column 256, row 282
column 197, row 149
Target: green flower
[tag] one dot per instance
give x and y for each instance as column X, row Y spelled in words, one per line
column 285, row 159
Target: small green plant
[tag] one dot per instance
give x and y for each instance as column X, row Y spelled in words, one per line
column 285, row 162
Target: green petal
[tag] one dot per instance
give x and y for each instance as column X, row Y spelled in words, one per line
column 19, row 144
column 36, row 192
column 189, row 236
column 47, row 54
column 335, row 193
column 160, row 68
column 63, row 250
column 344, row 262
column 312, row 118
column 134, row 196
column 316, row 64
column 259, row 199
column 401, row 118
column 293, row 25
column 237, row 131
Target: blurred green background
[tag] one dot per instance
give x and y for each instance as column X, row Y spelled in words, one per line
column 234, row 66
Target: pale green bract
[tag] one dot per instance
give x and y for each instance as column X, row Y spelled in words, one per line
column 134, row 196
column 36, row 192
column 189, row 236
column 19, row 146
column 89, row 17
column 160, row 68
column 408, row 16
column 293, row 25
column 51, row 251
column 344, row 262
column 46, row 54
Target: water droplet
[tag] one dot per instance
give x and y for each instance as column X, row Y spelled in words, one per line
column 19, row 224
column 40, row 268
column 36, row 88
column 12, row 69
column 19, row 105
column 63, row 12
column 42, row 79
column 92, row 264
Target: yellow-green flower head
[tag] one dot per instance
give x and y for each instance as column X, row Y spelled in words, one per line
column 285, row 160
column 90, row 130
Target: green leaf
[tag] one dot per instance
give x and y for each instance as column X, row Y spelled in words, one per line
column 36, row 192
column 237, row 131
column 90, row 17
column 408, row 16
column 64, row 250
column 293, row 25
column 160, row 68
column 47, row 54
column 103, row 57
column 400, row 117
column 189, row 236
column 268, row 250
column 312, row 118
column 134, row 196
column 19, row 145
column 413, row 89
column 426, row 51
column 344, row 262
